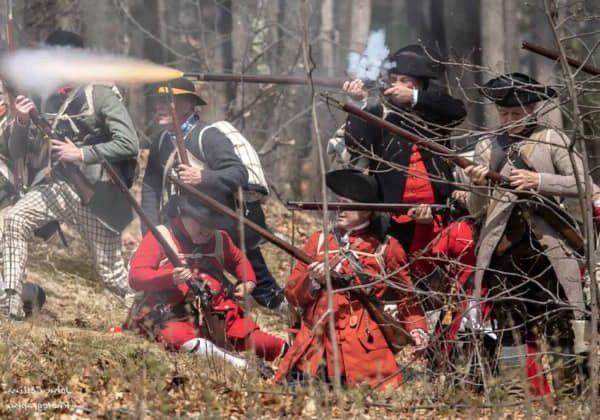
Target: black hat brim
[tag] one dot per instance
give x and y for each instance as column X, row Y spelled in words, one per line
column 354, row 185
column 414, row 61
column 184, row 205
column 198, row 99
column 516, row 89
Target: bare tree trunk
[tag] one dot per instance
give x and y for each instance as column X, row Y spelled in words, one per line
column 360, row 24
column 40, row 17
column 327, row 37
column 161, row 15
column 437, row 33
column 511, row 35
column 224, row 29
column 463, row 42
column 543, row 69
column 492, row 35
column 492, row 46
column 417, row 19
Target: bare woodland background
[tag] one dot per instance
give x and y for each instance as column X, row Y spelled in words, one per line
column 266, row 37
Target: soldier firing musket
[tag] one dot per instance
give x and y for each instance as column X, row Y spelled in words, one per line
column 440, row 247
column 97, row 122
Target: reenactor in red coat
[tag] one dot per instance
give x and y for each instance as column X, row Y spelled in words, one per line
column 165, row 312
column 356, row 243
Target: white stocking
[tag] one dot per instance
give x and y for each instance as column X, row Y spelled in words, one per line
column 206, row 348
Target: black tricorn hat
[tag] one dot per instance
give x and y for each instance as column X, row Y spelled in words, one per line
column 514, row 89
column 62, row 38
column 412, row 60
column 353, row 184
column 180, row 87
column 185, row 205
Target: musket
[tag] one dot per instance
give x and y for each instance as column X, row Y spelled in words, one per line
column 18, row 164
column 555, row 216
column 268, row 79
column 68, row 170
column 185, row 159
column 379, row 207
column 555, row 55
column 395, row 335
column 179, row 140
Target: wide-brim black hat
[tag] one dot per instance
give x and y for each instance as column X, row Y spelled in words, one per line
column 180, row 87
column 412, row 60
column 355, row 185
column 184, row 205
column 515, row 89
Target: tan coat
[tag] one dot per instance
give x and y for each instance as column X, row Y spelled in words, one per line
column 549, row 156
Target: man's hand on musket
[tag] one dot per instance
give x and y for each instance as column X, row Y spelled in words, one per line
column 181, row 275
column 244, row 289
column 189, row 174
column 523, row 179
column 316, row 271
column 460, row 197
column 421, row 214
column 420, row 338
column 23, row 106
column 355, row 89
column 65, row 151
column 477, row 173
column 400, row 94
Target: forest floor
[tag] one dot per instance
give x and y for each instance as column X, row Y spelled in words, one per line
column 65, row 362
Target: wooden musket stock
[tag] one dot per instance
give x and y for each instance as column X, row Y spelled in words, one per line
column 179, row 140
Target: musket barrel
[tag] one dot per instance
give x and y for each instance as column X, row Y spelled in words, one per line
column 554, row 55
column 379, row 207
column 252, row 78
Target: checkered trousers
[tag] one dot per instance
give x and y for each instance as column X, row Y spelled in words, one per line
column 58, row 201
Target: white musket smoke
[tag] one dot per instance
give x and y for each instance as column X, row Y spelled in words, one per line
column 371, row 63
column 43, row 70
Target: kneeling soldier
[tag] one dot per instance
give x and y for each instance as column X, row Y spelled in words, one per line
column 168, row 311
column 357, row 250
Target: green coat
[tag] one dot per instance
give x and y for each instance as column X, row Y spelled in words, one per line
column 98, row 123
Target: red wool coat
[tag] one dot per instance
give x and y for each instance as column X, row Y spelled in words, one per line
column 152, row 273
column 364, row 353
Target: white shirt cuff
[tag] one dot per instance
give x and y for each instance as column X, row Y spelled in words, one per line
column 415, row 97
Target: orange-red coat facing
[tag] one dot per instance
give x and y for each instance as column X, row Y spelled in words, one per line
column 364, row 354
